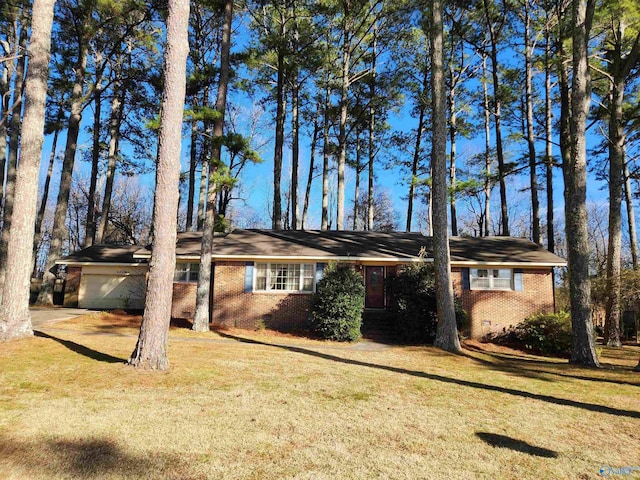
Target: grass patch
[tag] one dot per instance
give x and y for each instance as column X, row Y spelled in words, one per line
column 280, row 407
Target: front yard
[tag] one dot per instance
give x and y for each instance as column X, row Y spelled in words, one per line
column 256, row 405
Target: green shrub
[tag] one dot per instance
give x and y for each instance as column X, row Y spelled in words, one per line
column 337, row 308
column 545, row 333
column 413, row 302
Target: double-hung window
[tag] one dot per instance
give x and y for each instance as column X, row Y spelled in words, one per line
column 186, row 272
column 284, row 277
column 491, row 279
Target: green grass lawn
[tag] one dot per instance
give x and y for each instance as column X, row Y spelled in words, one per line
column 256, row 405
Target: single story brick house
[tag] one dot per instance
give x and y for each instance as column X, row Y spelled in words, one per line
column 267, row 277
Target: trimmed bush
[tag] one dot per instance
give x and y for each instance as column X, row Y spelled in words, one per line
column 545, row 333
column 337, row 308
column 413, row 301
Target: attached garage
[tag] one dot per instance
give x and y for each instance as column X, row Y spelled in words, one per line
column 112, row 287
column 105, row 277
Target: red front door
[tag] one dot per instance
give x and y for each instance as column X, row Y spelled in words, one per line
column 374, row 283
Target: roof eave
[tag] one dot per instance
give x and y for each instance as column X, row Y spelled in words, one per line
column 318, row 258
column 74, row 263
column 468, row 263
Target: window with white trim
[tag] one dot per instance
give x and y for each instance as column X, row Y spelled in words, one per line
column 284, row 277
column 186, row 272
column 491, row 278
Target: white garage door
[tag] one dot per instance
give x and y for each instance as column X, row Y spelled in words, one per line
column 112, row 291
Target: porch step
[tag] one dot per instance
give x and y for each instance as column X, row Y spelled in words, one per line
column 378, row 325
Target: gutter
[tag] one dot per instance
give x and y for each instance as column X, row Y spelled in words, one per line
column 100, row 264
column 195, row 258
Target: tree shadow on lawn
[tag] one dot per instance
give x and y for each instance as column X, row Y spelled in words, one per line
column 503, row 441
column 456, row 381
column 505, row 358
column 87, row 458
column 81, row 349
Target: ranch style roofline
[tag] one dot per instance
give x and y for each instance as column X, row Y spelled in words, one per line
column 326, row 246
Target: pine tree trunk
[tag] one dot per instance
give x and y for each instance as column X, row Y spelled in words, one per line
column 614, row 249
column 495, row 65
column 356, row 193
column 487, row 151
column 548, row 128
column 14, row 143
column 202, row 193
column 307, row 193
column 619, row 68
column 151, row 350
column 531, row 147
column 447, row 332
column 430, row 202
column 95, row 164
column 295, row 152
column 453, row 130
column 4, row 114
column 631, row 217
column 60, row 230
column 117, row 107
column 575, row 177
column 15, row 320
column 325, row 159
column 203, row 294
column 193, row 163
column 415, row 162
column 295, row 126
column 371, row 176
column 45, row 197
column 372, row 128
column 205, row 156
column 342, row 131
column 279, row 140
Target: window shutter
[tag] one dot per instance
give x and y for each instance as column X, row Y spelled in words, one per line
column 248, row 277
column 466, row 282
column 319, row 271
column 518, row 284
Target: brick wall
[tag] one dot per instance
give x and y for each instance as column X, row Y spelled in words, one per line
column 495, row 310
column 72, row 286
column 488, row 311
column 235, row 308
column 183, row 304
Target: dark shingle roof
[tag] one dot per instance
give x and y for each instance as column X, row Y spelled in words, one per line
column 377, row 245
column 327, row 245
column 500, row 250
column 188, row 244
column 319, row 244
column 104, row 254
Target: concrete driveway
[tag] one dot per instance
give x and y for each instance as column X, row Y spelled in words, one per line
column 48, row 315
